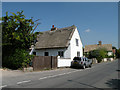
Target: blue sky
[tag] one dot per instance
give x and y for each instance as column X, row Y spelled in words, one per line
column 94, row 21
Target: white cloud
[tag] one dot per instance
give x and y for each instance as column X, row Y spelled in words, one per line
column 88, row 30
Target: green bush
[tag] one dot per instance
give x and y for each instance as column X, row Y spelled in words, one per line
column 99, row 59
column 112, row 56
column 118, row 53
column 17, row 36
column 19, row 59
column 99, row 54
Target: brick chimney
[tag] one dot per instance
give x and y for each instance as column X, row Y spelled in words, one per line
column 53, row 28
column 100, row 43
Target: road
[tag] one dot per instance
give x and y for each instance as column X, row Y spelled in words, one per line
column 103, row 75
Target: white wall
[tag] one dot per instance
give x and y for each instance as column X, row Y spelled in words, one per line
column 64, row 62
column 54, row 52
column 110, row 53
column 75, row 48
column 67, row 52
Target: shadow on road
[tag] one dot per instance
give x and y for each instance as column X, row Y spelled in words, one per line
column 114, row 83
column 118, row 70
column 95, row 88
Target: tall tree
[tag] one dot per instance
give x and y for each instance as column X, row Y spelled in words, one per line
column 18, row 31
column 17, row 34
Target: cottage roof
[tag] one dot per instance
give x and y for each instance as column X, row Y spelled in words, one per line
column 88, row 48
column 58, row 38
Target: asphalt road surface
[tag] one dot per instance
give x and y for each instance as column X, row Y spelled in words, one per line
column 103, row 75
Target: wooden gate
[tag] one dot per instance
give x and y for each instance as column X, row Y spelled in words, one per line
column 44, row 62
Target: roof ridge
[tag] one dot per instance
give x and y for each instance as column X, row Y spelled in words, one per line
column 68, row 27
column 97, row 44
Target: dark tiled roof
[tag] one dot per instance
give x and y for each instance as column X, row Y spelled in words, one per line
column 55, row 39
column 88, row 48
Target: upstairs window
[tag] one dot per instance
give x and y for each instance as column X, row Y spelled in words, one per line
column 77, row 43
column 61, row 53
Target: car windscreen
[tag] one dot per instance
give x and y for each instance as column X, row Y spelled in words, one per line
column 77, row 58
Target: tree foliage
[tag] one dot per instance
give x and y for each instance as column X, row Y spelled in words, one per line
column 113, row 47
column 99, row 54
column 17, row 36
column 118, row 53
column 17, row 31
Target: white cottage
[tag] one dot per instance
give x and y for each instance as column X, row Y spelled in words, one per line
column 64, row 42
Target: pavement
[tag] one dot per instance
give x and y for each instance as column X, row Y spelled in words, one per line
column 102, row 75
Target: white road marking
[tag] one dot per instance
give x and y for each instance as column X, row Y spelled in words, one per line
column 59, row 74
column 23, row 82
column 87, row 68
column 43, row 78
column 68, row 72
column 3, row 86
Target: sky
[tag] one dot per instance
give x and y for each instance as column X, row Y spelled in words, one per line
column 95, row 21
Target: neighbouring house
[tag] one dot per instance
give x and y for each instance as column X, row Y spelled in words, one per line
column 62, row 42
column 108, row 47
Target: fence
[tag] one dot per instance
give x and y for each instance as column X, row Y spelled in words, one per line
column 44, row 62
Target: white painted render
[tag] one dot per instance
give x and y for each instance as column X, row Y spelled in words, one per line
column 110, row 53
column 64, row 62
column 74, row 48
column 54, row 52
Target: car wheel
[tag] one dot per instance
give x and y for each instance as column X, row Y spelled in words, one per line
column 90, row 65
column 83, row 66
column 71, row 66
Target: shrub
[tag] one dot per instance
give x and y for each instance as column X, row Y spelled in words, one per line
column 112, row 56
column 19, row 59
column 118, row 53
column 99, row 54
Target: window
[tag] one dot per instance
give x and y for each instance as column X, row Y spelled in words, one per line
column 86, row 59
column 78, row 54
column 46, row 54
column 34, row 53
column 61, row 53
column 77, row 44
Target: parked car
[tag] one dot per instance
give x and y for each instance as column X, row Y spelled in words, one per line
column 82, row 62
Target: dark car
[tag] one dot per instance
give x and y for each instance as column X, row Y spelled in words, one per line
column 82, row 62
